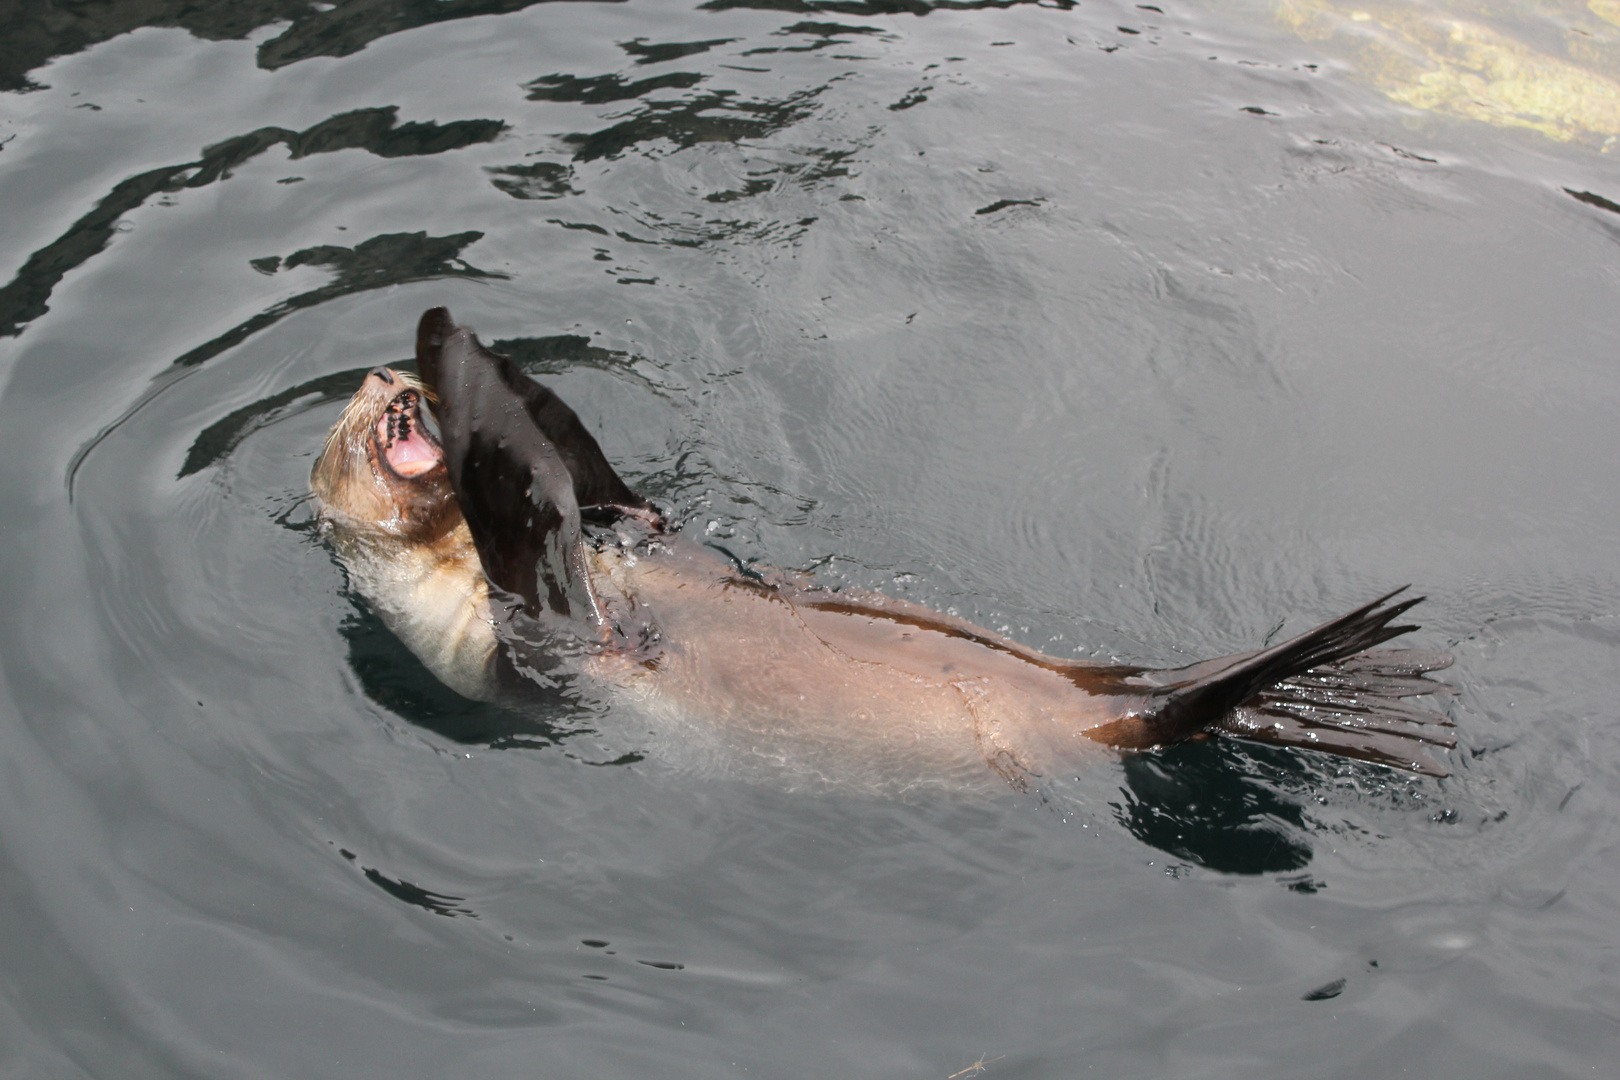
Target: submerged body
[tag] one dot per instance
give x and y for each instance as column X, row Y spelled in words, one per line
column 798, row 674
column 479, row 554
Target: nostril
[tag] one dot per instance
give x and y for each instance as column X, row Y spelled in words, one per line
column 382, row 373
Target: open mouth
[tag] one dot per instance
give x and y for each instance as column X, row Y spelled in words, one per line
column 409, row 448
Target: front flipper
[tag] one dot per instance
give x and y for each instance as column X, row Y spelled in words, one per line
column 511, row 477
column 599, row 492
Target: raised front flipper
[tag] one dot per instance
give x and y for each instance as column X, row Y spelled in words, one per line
column 510, row 476
column 599, row 492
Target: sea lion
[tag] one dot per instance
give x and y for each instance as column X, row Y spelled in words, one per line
column 509, row 556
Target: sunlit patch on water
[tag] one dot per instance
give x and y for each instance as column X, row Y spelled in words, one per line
column 1548, row 67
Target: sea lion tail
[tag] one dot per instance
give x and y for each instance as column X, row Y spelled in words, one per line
column 1329, row 688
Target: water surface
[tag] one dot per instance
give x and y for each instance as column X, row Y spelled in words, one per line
column 1146, row 332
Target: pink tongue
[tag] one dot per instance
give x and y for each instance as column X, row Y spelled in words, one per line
column 413, row 455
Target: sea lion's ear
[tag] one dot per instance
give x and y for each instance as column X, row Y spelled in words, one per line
column 514, row 487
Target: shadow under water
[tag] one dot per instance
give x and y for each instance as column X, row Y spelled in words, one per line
column 393, row 678
column 1203, row 803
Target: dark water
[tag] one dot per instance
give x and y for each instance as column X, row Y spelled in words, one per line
column 1142, row 334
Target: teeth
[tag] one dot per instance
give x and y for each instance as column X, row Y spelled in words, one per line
column 399, row 415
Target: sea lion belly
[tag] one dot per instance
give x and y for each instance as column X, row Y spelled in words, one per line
column 799, row 676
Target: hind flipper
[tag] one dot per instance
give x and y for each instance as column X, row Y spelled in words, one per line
column 1354, row 708
column 1323, row 688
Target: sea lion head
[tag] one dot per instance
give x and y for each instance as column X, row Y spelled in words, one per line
column 382, row 468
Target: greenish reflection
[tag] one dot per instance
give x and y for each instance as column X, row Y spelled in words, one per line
column 1552, row 66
